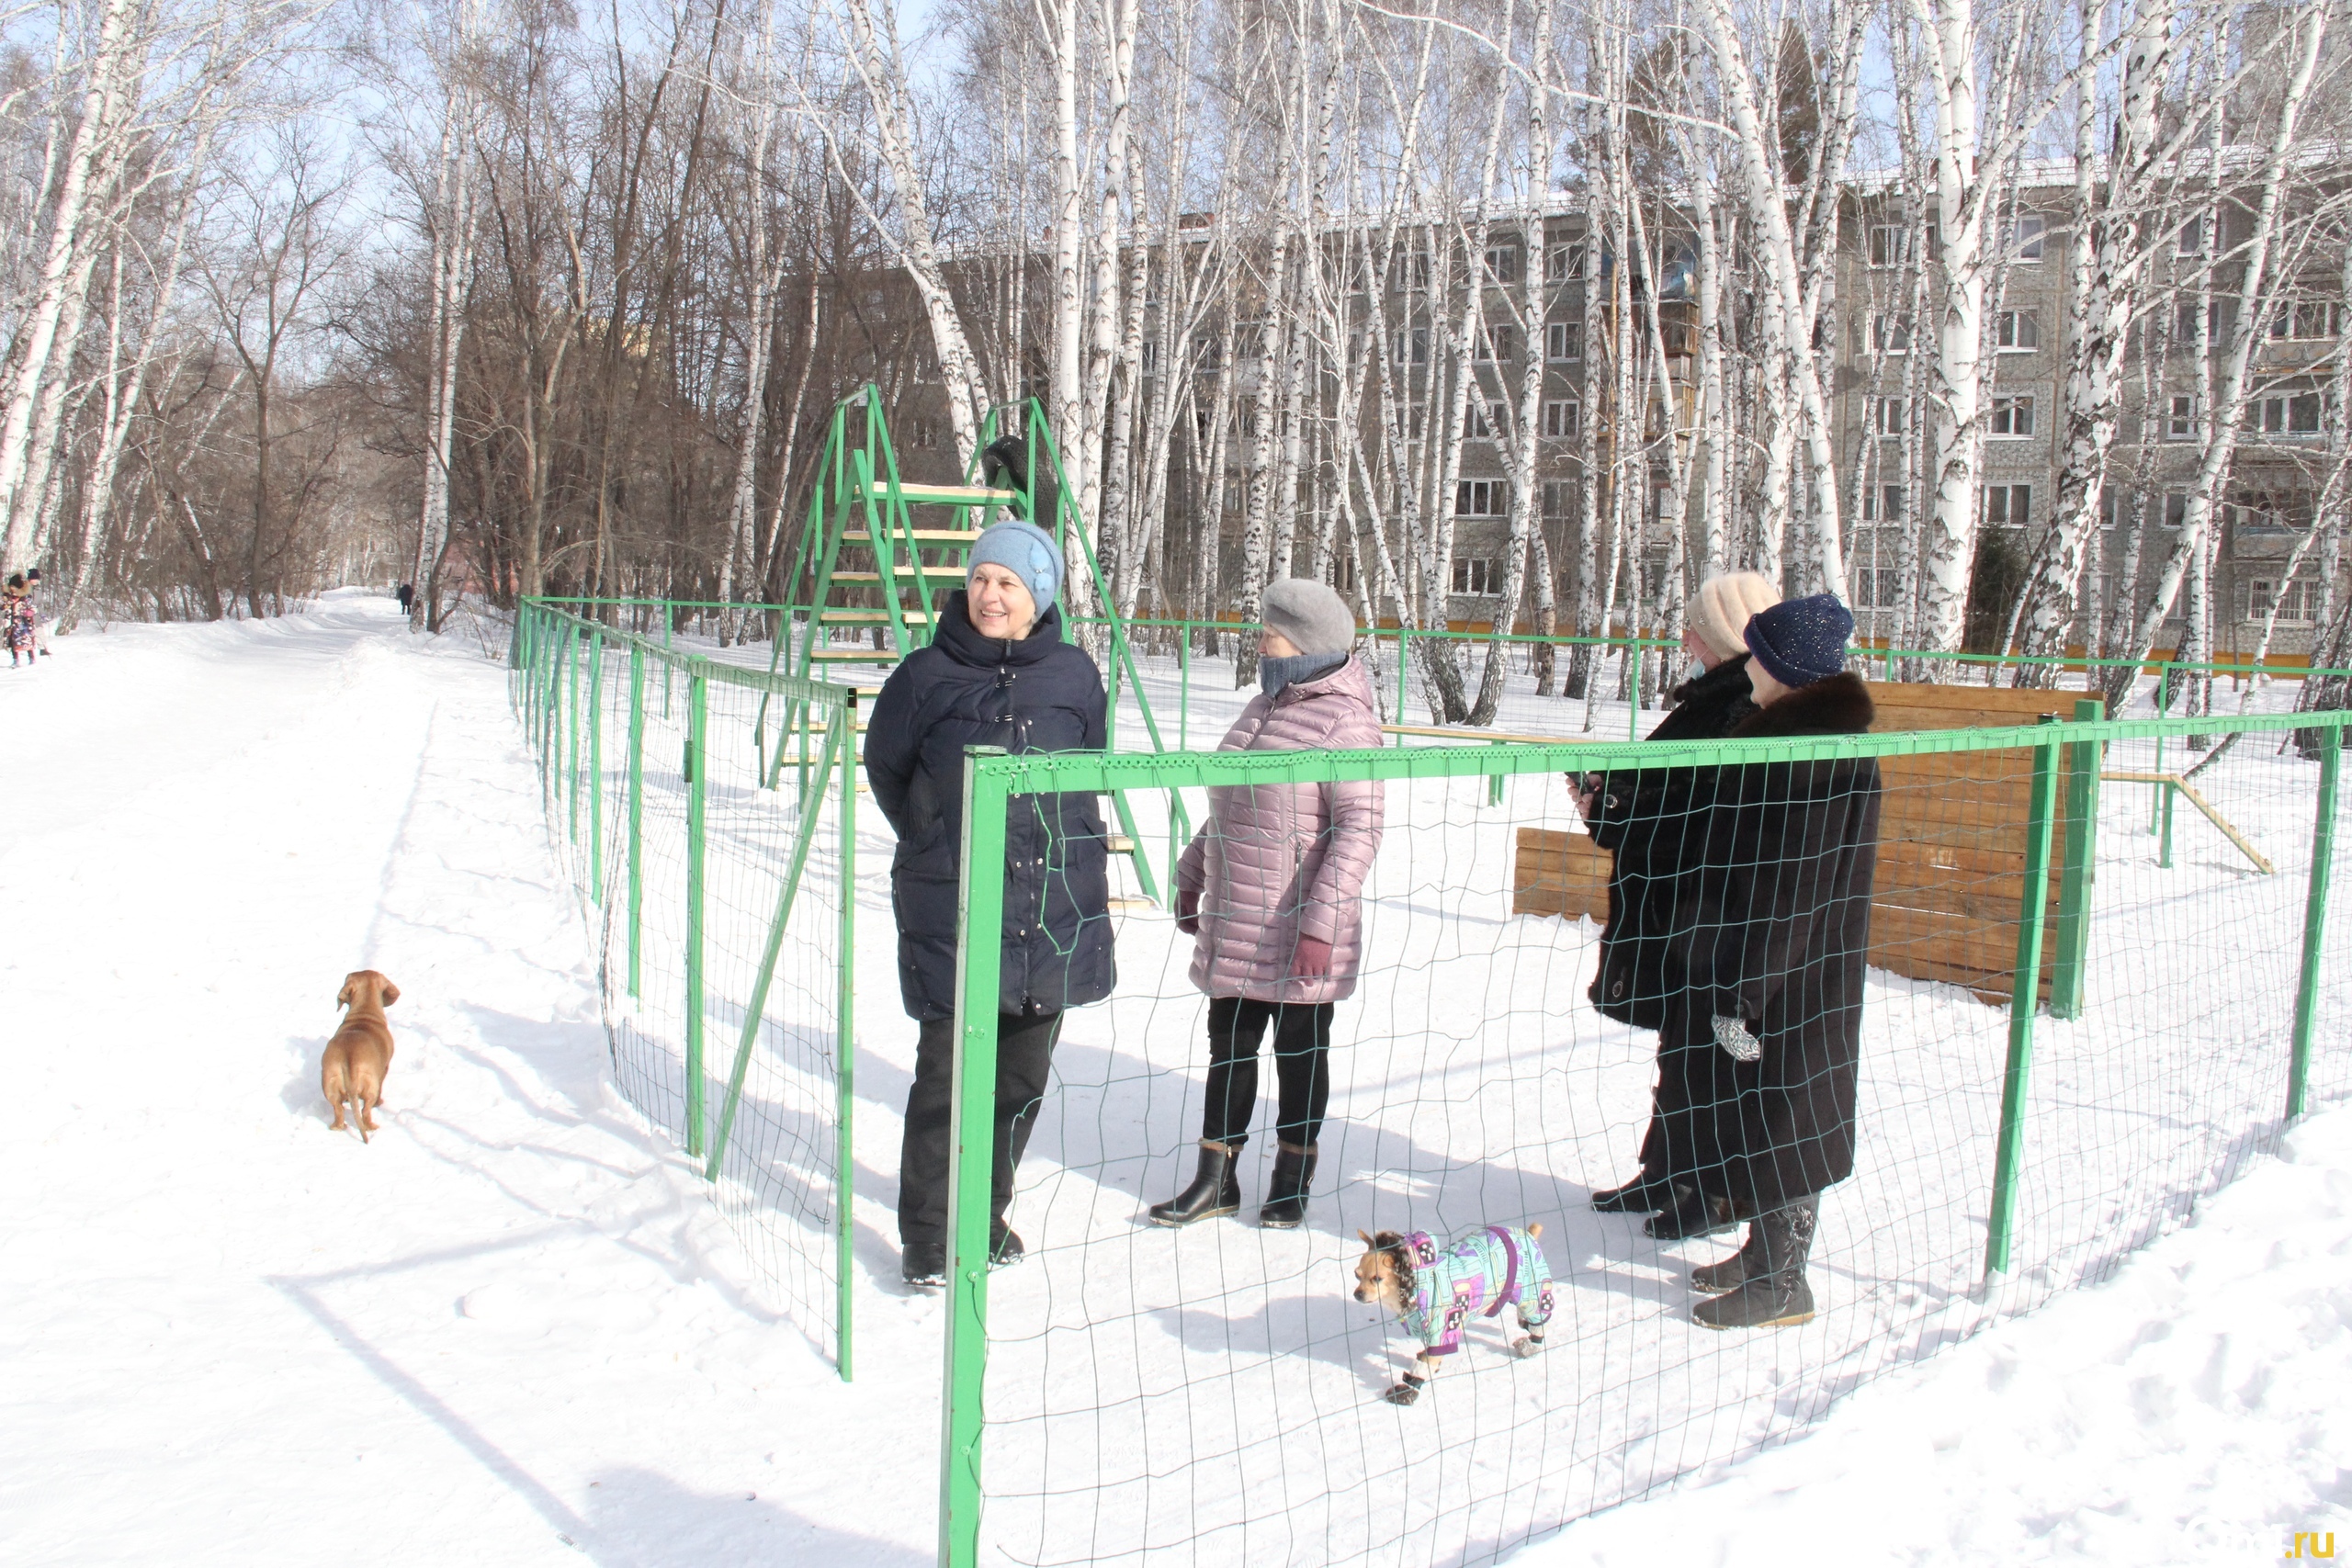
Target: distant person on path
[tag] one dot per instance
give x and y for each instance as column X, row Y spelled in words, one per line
column 997, row 673
column 1271, row 891
column 407, row 596
column 1654, row 823
column 16, row 604
column 1765, row 1035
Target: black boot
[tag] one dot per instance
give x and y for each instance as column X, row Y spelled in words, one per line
column 1693, row 1213
column 1640, row 1196
column 1286, row 1194
column 1779, row 1297
column 1215, row 1190
column 1748, row 1263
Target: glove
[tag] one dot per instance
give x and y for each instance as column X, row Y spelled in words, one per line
column 1311, row 960
column 1188, row 912
column 1732, row 1034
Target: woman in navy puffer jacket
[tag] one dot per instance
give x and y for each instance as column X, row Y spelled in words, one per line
column 997, row 673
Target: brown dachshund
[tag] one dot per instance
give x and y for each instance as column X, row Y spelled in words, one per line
column 361, row 1052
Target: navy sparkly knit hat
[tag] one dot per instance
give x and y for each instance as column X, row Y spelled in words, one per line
column 1026, row 550
column 1800, row 641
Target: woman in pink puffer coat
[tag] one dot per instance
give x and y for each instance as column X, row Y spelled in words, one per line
column 1270, row 891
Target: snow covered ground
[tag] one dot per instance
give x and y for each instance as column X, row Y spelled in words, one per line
column 515, row 1329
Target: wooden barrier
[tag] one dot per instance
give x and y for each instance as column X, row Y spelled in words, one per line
column 1951, row 845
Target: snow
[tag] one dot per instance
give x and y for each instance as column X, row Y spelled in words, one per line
column 2190, row 1411
column 515, row 1328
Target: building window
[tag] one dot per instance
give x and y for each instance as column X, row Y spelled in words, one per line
column 2185, row 317
column 1878, row 588
column 1560, row 419
column 1889, row 335
column 1502, row 262
column 1208, row 353
column 2024, row 238
column 2013, row 416
column 2269, row 511
column 2191, row 241
column 2016, row 332
column 2297, row 603
column 1890, row 245
column 1564, row 341
column 2284, row 413
column 1559, row 498
column 1882, row 503
column 1481, row 498
column 1480, row 418
column 1411, row 345
column 925, row 434
column 1495, row 342
column 2008, row 506
column 2306, row 319
column 1477, row 577
column 1889, row 416
column 1564, row 263
column 2181, row 424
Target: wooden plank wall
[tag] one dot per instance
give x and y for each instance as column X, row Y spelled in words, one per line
column 1951, row 844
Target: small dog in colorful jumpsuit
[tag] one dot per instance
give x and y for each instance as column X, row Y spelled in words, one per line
column 1438, row 1292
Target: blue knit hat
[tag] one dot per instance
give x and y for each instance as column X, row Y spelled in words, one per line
column 1026, row 550
column 1800, row 641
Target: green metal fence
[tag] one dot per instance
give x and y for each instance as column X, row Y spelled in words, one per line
column 707, row 815
column 1138, row 1394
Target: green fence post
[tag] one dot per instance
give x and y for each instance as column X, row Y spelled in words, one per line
column 971, row 1158
column 597, row 768
column 1184, row 688
column 2163, row 844
column 1634, row 693
column 698, row 702
column 636, row 805
column 574, row 645
column 845, row 1050
column 2078, row 871
column 1404, row 665
column 2025, row 988
column 2163, row 796
column 2299, row 1067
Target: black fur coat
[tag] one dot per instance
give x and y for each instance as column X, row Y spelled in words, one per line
column 1775, row 931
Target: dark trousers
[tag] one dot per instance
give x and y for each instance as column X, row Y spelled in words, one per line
column 1025, row 1051
column 1302, row 1068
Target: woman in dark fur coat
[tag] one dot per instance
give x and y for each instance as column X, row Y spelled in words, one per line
column 1763, row 1041
column 1653, row 824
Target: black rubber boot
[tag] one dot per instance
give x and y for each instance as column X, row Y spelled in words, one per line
column 1693, row 1213
column 1286, row 1194
column 1006, row 1249
column 1779, row 1297
column 1748, row 1263
column 923, row 1264
column 1639, row 1196
column 1215, row 1190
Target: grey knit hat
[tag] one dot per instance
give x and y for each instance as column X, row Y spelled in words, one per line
column 1310, row 615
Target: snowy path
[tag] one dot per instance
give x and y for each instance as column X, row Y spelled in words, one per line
column 231, row 1337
